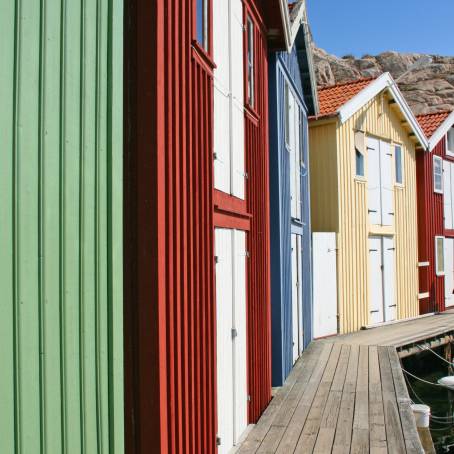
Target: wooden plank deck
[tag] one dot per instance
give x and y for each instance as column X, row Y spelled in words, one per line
column 347, row 394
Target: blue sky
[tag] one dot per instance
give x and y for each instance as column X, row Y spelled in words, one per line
column 372, row 26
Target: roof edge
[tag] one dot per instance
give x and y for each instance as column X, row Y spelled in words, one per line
column 283, row 4
column 441, row 131
column 383, row 82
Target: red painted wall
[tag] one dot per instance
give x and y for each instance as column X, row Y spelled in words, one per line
column 168, row 276
column 430, row 224
column 170, row 211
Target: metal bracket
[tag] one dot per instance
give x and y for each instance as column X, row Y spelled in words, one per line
column 218, row 440
column 234, row 333
column 216, row 259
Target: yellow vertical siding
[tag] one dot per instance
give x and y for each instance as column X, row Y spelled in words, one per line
column 377, row 119
column 324, row 178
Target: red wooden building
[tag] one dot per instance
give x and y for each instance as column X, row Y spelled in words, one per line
column 188, row 245
column 435, row 182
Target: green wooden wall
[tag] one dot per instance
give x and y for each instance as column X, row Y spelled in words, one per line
column 61, row 372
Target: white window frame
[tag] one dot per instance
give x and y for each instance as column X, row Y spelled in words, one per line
column 402, row 166
column 440, row 160
column 437, row 271
column 448, row 151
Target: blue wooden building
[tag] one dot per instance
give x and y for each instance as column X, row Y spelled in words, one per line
column 293, row 96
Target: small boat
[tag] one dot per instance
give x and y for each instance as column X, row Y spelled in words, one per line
column 447, row 382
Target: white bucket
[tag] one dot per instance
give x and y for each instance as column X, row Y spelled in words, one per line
column 447, row 382
column 422, row 415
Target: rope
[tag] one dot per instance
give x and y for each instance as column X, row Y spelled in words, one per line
column 433, row 416
column 421, row 379
column 436, row 354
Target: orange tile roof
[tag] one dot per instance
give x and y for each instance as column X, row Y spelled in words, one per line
column 431, row 122
column 332, row 98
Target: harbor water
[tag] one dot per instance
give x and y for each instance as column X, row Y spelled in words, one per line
column 431, row 368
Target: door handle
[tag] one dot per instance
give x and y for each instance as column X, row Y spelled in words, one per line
column 371, row 211
column 392, row 305
column 373, row 312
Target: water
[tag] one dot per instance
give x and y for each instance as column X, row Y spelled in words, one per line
column 440, row 400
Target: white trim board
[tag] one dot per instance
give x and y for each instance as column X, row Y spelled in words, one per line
column 383, row 82
column 442, row 130
column 290, row 27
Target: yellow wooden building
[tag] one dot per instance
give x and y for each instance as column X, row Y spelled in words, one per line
column 363, row 149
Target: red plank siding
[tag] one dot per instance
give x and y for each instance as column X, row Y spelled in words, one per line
column 257, row 196
column 169, row 293
column 430, row 224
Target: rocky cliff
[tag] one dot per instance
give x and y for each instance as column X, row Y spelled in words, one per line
column 428, row 89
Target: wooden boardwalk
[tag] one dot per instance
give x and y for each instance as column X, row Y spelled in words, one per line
column 347, row 394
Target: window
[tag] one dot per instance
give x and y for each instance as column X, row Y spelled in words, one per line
column 450, row 147
column 301, row 138
column 359, row 153
column 287, row 113
column 439, row 255
column 398, row 164
column 438, row 174
column 250, row 62
column 359, row 163
column 202, row 23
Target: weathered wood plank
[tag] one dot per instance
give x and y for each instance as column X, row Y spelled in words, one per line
column 342, row 439
column 360, row 435
column 306, row 364
column 293, row 431
column 328, row 424
column 394, row 432
column 311, row 427
column 376, row 414
column 411, row 436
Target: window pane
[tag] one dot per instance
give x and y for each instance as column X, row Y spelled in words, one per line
column 286, row 114
column 440, row 255
column 438, row 174
column 451, row 140
column 301, row 138
column 359, row 163
column 250, row 61
column 202, row 33
column 398, row 161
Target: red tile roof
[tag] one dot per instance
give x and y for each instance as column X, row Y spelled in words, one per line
column 431, row 122
column 332, row 98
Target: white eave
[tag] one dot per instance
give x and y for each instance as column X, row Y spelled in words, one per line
column 291, row 27
column 442, row 130
column 383, row 82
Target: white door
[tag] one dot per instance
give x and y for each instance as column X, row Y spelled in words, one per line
column 373, row 181
column 295, row 298
column 224, row 324
column 389, row 278
column 449, row 272
column 375, row 280
column 231, row 336
column 387, row 184
column 239, row 335
column 325, row 283
column 299, row 258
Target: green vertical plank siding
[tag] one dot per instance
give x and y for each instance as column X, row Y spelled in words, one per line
column 7, row 303
column 61, row 344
